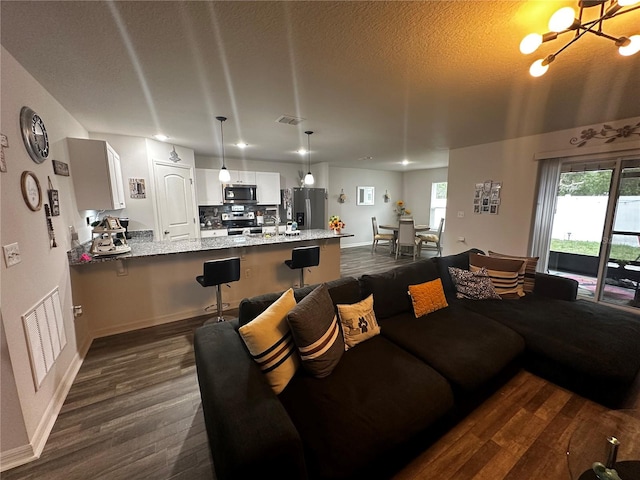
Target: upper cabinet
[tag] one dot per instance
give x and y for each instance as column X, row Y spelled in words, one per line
column 97, row 175
column 242, row 177
column 268, row 188
column 208, row 187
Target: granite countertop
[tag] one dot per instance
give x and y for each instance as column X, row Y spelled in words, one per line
column 146, row 247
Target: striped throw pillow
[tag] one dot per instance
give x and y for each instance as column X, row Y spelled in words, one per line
column 503, row 272
column 531, row 264
column 316, row 332
column 268, row 338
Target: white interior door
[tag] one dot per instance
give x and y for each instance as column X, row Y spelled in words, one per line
column 175, row 201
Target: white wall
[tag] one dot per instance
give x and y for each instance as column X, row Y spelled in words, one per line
column 358, row 217
column 417, row 188
column 42, row 268
column 513, row 163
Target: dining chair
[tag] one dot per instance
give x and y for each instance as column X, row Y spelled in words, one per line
column 435, row 238
column 385, row 237
column 407, row 236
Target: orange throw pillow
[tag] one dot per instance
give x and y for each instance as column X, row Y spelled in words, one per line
column 427, row 297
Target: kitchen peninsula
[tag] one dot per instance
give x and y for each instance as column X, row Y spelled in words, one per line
column 155, row 282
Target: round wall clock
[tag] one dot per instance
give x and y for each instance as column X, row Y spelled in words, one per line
column 34, row 135
column 31, row 191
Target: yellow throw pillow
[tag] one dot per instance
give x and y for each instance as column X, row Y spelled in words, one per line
column 270, row 342
column 358, row 322
column 427, row 297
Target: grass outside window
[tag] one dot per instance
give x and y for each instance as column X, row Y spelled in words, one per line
column 618, row 252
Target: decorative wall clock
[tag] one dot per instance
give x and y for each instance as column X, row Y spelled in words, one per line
column 31, row 191
column 34, row 135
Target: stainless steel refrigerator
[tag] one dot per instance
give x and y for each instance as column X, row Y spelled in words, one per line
column 306, row 206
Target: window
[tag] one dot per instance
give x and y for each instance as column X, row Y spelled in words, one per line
column 438, row 203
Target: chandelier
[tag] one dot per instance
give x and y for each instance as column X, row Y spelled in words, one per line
column 564, row 21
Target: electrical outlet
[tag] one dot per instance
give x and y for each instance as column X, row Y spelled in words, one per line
column 11, row 254
column 460, row 214
column 247, row 273
column 461, row 239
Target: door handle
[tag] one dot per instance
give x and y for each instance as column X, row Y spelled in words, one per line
column 166, row 232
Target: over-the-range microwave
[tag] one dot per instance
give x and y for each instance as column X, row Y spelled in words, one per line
column 234, row 193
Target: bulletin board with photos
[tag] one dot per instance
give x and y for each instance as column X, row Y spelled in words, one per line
column 486, row 197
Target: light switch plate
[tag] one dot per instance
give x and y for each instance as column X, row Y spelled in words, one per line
column 11, row 254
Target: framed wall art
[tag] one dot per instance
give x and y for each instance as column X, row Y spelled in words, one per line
column 365, row 196
column 486, row 197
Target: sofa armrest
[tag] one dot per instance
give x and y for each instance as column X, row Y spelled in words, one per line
column 555, row 286
column 250, row 433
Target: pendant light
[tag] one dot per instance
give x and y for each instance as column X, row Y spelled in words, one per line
column 308, row 178
column 224, row 176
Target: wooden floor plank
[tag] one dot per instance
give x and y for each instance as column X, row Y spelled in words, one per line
column 133, row 412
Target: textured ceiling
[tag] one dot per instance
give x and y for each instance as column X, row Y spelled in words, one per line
column 387, row 80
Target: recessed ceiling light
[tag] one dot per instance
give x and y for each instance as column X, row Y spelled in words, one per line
column 161, row 137
column 242, row 145
column 405, row 162
column 302, row 151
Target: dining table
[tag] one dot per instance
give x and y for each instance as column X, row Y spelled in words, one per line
column 395, row 228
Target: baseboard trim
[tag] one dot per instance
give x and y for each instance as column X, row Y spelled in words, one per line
column 27, row 453
column 359, row 244
column 16, row 457
column 152, row 322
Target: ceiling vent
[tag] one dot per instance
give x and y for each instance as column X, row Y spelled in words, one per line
column 290, row 120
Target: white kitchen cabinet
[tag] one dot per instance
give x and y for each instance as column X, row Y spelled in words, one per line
column 97, row 175
column 208, row 187
column 268, row 188
column 242, row 177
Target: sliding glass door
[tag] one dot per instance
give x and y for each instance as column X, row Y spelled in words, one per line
column 622, row 273
column 595, row 236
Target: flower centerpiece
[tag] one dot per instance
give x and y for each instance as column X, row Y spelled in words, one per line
column 401, row 209
column 336, row 224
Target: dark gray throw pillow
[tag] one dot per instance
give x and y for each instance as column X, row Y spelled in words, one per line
column 316, row 332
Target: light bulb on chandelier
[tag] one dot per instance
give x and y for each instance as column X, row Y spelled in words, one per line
column 564, row 21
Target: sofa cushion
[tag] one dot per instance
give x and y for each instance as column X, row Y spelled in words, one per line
column 507, row 276
column 268, row 339
column 468, row 349
column 316, row 332
column 342, row 290
column 427, row 297
column 588, row 347
column 378, row 397
column 390, row 289
column 358, row 322
column 461, row 261
column 473, row 285
column 531, row 263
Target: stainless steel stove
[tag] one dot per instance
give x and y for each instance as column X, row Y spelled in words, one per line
column 239, row 222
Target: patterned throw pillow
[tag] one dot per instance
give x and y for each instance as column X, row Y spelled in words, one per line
column 358, row 322
column 316, row 332
column 268, row 338
column 474, row 285
column 531, row 263
column 503, row 272
column 427, row 297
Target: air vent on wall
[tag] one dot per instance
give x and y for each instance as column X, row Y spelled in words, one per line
column 44, row 329
column 290, row 120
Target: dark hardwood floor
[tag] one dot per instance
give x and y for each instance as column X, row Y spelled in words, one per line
column 134, row 412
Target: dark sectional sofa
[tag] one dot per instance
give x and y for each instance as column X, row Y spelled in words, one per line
column 393, row 394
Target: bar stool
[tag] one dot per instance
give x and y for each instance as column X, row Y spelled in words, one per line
column 217, row 272
column 303, row 257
